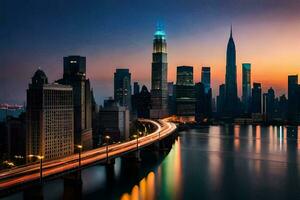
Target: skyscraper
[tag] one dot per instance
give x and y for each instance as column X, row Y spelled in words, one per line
column 185, row 75
column 171, row 98
column 114, row 120
column 75, row 75
column 203, row 103
column 205, row 78
column 221, row 100
column 135, row 99
column 122, row 87
column 270, row 107
column 256, row 98
column 231, row 98
column 144, row 103
column 49, row 118
column 246, row 86
column 293, row 99
column 185, row 91
column 136, row 88
column 159, row 87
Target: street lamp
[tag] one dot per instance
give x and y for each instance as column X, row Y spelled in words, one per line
column 107, row 137
column 9, row 163
column 41, row 165
column 79, row 147
column 136, row 136
column 137, row 144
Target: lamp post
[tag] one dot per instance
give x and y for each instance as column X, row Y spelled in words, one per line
column 135, row 136
column 158, row 135
column 137, row 145
column 79, row 147
column 107, row 137
column 41, row 165
column 9, row 163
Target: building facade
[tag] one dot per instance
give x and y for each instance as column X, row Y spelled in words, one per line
column 221, row 100
column 159, row 87
column 246, row 86
column 143, row 103
column 185, row 91
column 256, row 98
column 293, row 99
column 114, row 121
column 50, row 125
column 136, row 88
column 205, row 79
column 75, row 75
column 203, row 107
column 231, row 98
column 122, row 87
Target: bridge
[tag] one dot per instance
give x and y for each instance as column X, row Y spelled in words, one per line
column 18, row 176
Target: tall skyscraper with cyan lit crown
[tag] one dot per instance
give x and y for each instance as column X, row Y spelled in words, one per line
column 231, row 98
column 159, row 85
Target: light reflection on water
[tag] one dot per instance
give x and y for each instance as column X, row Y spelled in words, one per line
column 168, row 179
column 216, row 162
column 209, row 163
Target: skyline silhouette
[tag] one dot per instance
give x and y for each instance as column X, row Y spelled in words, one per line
column 40, row 34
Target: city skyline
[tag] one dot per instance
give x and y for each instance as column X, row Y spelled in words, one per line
column 201, row 44
column 157, row 99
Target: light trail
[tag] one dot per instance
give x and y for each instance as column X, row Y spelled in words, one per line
column 30, row 172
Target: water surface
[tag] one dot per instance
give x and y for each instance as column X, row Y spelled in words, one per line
column 216, row 162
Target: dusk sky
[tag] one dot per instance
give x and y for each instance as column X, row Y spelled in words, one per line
column 119, row 33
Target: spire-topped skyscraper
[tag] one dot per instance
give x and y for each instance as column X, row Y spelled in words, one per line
column 159, row 85
column 231, row 98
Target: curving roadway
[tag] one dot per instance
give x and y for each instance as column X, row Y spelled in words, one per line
column 30, row 172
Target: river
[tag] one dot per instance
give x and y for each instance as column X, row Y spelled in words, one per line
column 215, row 162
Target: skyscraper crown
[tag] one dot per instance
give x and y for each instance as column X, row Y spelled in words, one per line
column 160, row 33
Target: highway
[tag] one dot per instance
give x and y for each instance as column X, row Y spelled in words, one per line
column 31, row 172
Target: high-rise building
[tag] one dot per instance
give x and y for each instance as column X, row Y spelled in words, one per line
column 185, row 91
column 134, row 100
column 203, row 103
column 75, row 75
column 171, row 99
column 256, row 98
column 50, row 114
column 231, row 98
column 246, row 86
column 264, row 103
column 136, row 88
column 221, row 100
column 185, row 75
column 114, row 120
column 95, row 122
column 283, row 107
column 293, row 99
column 270, row 105
column 205, row 78
column 13, row 138
column 16, row 136
column 122, row 87
column 159, row 87
column 144, row 103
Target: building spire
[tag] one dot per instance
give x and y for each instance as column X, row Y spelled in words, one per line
column 231, row 31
